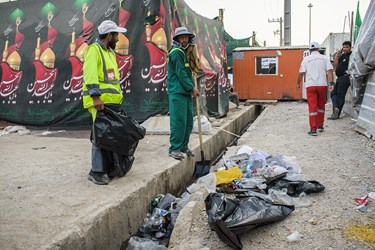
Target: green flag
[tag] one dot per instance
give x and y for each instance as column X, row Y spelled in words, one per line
column 358, row 23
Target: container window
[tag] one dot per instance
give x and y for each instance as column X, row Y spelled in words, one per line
column 266, row 65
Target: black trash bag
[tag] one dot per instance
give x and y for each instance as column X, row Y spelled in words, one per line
column 226, row 235
column 121, row 165
column 115, row 165
column 295, row 188
column 241, row 215
column 114, row 130
column 219, row 206
column 218, row 209
column 254, row 212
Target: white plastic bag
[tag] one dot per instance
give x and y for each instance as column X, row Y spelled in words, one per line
column 205, row 125
column 245, row 149
column 208, row 182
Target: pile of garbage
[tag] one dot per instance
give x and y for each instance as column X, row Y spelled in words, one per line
column 246, row 190
column 158, row 225
column 266, row 188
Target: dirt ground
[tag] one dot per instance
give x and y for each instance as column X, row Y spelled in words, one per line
column 339, row 158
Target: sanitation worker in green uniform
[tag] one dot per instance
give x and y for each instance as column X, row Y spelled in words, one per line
column 181, row 88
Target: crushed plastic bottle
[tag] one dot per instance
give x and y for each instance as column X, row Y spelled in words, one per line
column 166, row 201
column 249, row 183
column 158, row 220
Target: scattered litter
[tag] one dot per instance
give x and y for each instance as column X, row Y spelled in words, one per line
column 208, row 182
column 24, row 132
column 295, row 236
column 372, row 195
column 227, row 176
column 361, row 208
column 267, row 188
column 281, row 197
column 37, row 148
column 362, row 200
column 21, row 130
column 275, row 180
column 313, row 221
column 239, row 157
column 245, row 149
column 205, row 125
column 14, row 129
column 137, row 243
column 46, row 133
column 158, row 225
column 166, row 201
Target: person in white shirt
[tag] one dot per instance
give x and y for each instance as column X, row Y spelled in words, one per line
column 316, row 68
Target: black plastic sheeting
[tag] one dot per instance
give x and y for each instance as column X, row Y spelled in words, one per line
column 231, row 217
column 114, row 130
column 295, row 188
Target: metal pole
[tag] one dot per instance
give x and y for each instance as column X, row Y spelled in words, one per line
column 287, row 22
column 281, row 32
column 351, row 27
column 221, row 15
column 310, row 6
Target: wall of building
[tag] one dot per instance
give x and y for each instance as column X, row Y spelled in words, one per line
column 278, row 86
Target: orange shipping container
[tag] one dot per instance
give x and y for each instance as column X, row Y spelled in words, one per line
column 261, row 73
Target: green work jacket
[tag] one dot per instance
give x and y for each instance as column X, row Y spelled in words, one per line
column 180, row 80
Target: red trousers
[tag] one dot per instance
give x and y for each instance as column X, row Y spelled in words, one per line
column 316, row 100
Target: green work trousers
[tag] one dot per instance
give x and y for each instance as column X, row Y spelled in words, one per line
column 181, row 121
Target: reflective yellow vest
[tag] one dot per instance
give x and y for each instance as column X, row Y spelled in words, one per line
column 98, row 61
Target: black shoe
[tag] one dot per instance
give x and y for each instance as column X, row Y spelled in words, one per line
column 98, row 178
column 320, row 129
column 188, row 152
column 176, row 155
column 312, row 133
column 336, row 114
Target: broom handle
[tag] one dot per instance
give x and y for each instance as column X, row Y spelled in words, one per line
column 198, row 115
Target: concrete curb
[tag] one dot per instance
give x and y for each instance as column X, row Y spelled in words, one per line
column 186, row 219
